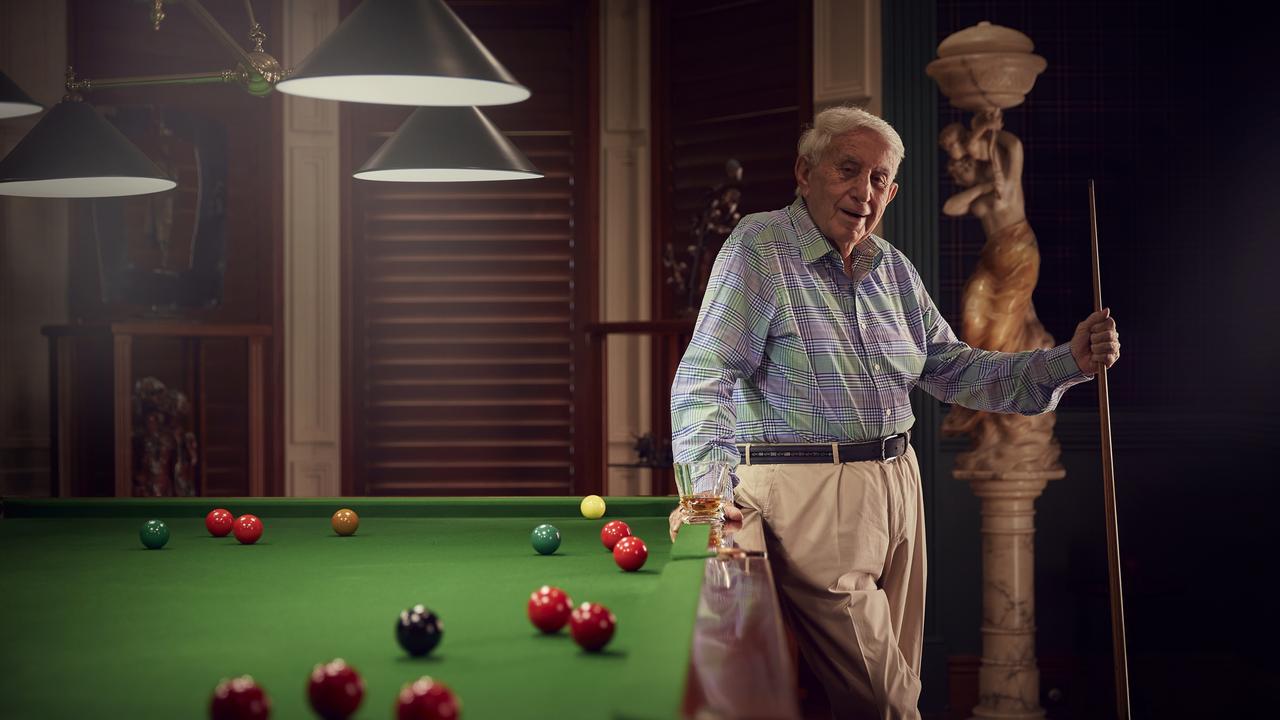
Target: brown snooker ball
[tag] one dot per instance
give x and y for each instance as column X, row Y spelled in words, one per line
column 345, row 522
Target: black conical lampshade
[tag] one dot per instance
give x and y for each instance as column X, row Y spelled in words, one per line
column 14, row 102
column 74, row 152
column 404, row 52
column 447, row 144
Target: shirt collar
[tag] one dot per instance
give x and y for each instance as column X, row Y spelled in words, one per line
column 815, row 246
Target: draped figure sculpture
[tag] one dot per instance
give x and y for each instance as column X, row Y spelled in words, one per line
column 997, row 312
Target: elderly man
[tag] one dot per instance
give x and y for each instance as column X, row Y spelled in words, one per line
column 811, row 335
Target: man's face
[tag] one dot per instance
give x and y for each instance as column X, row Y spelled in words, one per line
column 848, row 190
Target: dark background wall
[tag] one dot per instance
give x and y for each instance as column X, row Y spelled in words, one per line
column 1171, row 113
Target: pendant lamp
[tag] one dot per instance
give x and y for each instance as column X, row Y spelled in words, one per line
column 74, row 152
column 439, row 144
column 14, row 102
column 404, row 52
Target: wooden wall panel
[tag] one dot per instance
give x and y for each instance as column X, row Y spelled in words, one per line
column 465, row 298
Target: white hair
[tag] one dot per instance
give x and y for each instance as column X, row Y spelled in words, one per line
column 842, row 119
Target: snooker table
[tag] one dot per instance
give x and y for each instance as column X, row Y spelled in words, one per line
column 94, row 624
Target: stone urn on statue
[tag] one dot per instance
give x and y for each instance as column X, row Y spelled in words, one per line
column 987, row 69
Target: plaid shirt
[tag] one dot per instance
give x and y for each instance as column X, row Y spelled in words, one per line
column 790, row 349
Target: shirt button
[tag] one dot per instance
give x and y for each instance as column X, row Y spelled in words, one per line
column 876, row 367
column 863, row 324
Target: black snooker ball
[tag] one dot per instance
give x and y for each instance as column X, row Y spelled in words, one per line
column 418, row 630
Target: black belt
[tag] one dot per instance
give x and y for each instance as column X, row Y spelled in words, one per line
column 884, row 449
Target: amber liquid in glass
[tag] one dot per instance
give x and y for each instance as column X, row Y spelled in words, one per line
column 701, row 509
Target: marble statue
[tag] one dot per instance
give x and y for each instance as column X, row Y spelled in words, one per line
column 985, row 161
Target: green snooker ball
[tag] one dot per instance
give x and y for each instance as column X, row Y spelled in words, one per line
column 154, row 534
column 545, row 539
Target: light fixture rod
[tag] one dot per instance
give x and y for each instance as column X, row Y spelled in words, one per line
column 248, row 8
column 259, row 76
column 210, row 78
column 220, row 34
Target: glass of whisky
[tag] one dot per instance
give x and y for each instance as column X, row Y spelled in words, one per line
column 703, row 488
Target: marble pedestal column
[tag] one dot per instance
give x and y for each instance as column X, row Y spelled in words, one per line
column 1008, row 680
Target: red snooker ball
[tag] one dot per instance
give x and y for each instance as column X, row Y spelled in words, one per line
column 248, row 528
column 630, row 553
column 426, row 699
column 549, row 608
column 239, row 699
column 218, row 522
column 612, row 532
column 335, row 690
column 592, row 625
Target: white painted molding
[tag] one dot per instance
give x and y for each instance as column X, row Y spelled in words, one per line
column 312, row 479
column 625, row 91
column 307, row 23
column 312, row 284
column 625, row 237
column 846, row 53
column 313, row 320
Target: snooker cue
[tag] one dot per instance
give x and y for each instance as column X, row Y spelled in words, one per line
column 1118, row 652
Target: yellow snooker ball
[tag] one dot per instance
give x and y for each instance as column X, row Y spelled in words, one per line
column 345, row 522
column 592, row 507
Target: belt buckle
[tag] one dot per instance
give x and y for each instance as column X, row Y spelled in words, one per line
column 884, row 448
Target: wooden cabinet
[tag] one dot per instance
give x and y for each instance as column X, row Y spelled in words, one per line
column 92, row 370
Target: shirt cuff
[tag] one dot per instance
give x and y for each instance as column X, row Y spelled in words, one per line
column 1062, row 367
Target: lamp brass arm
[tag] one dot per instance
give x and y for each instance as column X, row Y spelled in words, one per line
column 257, row 70
column 210, row 78
column 219, row 33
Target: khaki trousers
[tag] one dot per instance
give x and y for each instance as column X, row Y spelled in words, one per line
column 846, row 543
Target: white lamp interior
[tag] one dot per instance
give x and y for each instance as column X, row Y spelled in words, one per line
column 444, row 175
column 17, row 109
column 85, row 187
column 405, row 90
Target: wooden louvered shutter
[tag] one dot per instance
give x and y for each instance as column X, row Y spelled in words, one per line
column 732, row 80
column 464, row 298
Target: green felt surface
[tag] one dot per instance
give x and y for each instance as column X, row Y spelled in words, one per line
column 669, row 613
column 94, row 623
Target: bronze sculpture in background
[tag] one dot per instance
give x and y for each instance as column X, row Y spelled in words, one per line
column 687, row 272
column 997, row 314
column 164, row 451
